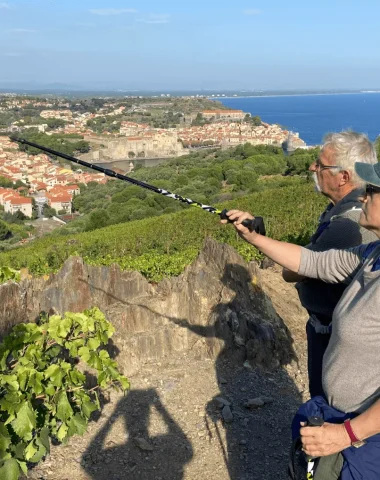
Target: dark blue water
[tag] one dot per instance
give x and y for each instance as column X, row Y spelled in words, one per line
column 315, row 115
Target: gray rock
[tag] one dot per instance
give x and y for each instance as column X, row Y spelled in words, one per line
column 267, row 400
column 254, row 403
column 227, row 414
column 222, row 402
column 143, row 444
column 146, row 317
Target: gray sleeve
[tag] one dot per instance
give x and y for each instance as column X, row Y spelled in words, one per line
column 342, row 232
column 332, row 266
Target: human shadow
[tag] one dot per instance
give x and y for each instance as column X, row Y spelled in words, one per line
column 251, row 343
column 252, row 348
column 127, row 450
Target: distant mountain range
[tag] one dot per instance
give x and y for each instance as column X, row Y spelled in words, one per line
column 100, row 88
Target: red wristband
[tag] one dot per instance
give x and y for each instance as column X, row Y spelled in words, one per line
column 351, row 434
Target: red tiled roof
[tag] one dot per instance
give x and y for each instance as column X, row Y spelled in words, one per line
column 20, row 201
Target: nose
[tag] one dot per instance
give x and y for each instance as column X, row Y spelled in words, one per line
column 313, row 167
column 363, row 198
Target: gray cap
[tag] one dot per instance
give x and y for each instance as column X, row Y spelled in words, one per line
column 368, row 172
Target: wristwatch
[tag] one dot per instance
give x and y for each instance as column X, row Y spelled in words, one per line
column 355, row 442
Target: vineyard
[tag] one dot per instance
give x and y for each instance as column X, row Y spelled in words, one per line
column 163, row 246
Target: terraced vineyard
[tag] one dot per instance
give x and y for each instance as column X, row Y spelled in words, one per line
column 163, row 246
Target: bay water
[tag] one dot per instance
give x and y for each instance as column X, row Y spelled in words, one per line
column 312, row 116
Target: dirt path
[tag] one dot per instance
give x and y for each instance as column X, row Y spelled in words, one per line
column 172, row 427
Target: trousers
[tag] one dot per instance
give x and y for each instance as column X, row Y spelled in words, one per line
column 316, row 347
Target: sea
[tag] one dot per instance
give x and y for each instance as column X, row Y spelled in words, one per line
column 312, row 116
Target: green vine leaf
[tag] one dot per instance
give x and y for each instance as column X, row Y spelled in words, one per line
column 5, row 439
column 40, row 450
column 77, row 425
column 62, row 432
column 64, row 410
column 25, row 422
column 30, row 450
column 23, row 466
column 7, row 273
column 54, row 373
column 10, row 470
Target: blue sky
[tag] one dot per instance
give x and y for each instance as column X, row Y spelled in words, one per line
column 167, row 44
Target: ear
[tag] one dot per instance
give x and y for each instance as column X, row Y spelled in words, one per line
column 345, row 177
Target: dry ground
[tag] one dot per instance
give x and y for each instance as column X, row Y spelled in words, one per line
column 170, row 427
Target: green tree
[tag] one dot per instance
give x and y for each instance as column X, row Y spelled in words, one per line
column 4, row 230
column 98, row 219
column 256, row 121
column 49, row 212
column 298, row 164
column 54, row 123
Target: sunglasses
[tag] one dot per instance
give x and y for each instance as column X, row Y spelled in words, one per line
column 370, row 189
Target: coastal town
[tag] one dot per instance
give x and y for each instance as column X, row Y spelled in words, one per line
column 46, row 183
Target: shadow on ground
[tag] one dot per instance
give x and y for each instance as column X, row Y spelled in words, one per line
column 140, row 456
column 252, row 444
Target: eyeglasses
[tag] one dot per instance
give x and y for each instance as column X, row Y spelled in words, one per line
column 370, row 189
column 320, row 166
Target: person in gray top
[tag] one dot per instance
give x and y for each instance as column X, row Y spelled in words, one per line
column 351, row 364
column 338, row 227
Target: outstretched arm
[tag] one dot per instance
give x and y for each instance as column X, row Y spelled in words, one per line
column 332, row 266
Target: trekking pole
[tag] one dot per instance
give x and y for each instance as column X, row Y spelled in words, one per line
column 312, row 422
column 222, row 447
column 256, row 224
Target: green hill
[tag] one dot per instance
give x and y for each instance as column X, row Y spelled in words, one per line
column 163, row 246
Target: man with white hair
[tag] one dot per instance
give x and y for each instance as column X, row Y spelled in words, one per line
column 335, row 177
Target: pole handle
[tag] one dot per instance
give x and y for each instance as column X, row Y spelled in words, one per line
column 255, row 225
column 314, row 422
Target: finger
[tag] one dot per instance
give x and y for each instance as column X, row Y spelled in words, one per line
column 234, row 214
column 313, row 452
column 309, row 431
column 243, row 217
column 241, row 228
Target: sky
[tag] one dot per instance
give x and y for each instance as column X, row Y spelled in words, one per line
column 196, row 44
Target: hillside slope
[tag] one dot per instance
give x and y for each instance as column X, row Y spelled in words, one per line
column 162, row 246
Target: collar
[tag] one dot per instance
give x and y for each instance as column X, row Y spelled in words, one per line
column 348, row 202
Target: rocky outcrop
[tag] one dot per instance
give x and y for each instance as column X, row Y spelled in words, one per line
column 216, row 307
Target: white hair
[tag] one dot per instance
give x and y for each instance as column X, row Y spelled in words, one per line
column 350, row 147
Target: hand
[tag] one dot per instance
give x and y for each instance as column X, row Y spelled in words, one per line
column 237, row 217
column 325, row 440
